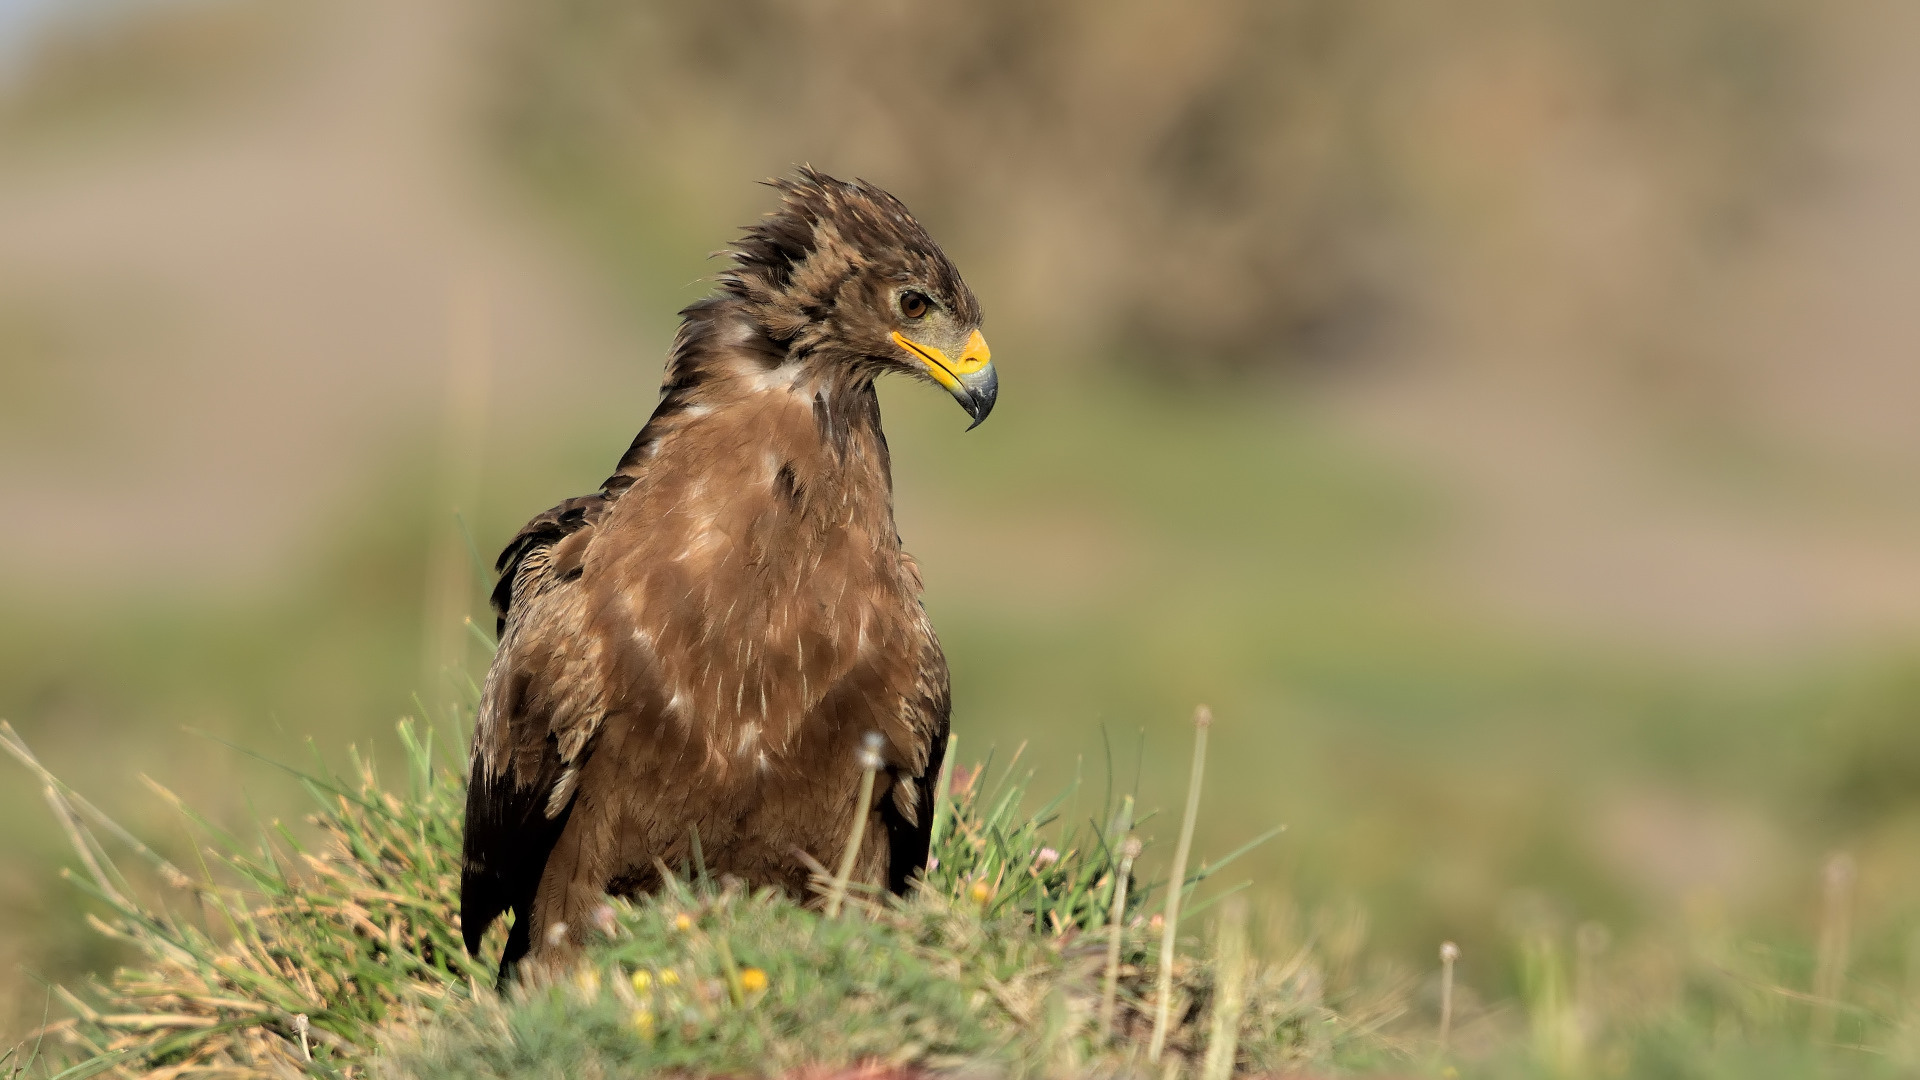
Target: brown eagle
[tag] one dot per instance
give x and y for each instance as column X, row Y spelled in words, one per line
column 701, row 647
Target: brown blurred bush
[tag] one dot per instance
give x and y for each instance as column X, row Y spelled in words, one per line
column 1218, row 185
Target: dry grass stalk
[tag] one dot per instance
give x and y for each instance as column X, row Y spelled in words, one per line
column 869, row 764
column 1176, row 881
column 1230, row 990
column 1830, row 966
column 1116, row 929
column 1449, row 952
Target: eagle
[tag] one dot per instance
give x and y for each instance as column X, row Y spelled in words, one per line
column 692, row 658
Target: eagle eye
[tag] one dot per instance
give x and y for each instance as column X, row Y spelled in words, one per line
column 914, row 305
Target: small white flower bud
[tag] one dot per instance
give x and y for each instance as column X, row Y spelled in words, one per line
column 870, row 751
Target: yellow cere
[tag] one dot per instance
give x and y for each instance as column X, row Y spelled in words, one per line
column 753, row 980
column 975, row 356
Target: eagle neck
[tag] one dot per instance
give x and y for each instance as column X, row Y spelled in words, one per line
column 723, row 362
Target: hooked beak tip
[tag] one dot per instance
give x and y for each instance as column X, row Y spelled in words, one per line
column 981, row 390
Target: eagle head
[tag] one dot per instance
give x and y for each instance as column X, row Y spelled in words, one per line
column 841, row 273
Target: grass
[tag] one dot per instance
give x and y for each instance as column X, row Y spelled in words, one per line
column 270, row 930
column 717, row 982
column 278, row 957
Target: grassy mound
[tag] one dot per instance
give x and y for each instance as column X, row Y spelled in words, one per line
column 277, row 960
column 717, row 982
column 1031, row 949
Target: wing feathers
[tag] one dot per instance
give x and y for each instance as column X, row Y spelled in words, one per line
column 531, row 728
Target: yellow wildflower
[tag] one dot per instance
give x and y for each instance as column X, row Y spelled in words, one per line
column 642, row 979
column 683, row 922
column 643, row 1022
column 981, row 892
column 669, row 977
column 753, row 980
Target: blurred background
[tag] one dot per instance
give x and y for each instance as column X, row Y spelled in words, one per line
column 1502, row 413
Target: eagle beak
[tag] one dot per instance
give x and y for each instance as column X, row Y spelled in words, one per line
column 970, row 379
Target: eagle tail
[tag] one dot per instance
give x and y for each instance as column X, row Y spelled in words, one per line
column 506, row 846
column 910, row 843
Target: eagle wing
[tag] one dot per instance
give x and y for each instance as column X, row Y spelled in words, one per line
column 538, row 712
column 909, row 814
column 926, row 712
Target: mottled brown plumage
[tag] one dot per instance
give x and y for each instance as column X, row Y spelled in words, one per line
column 703, row 644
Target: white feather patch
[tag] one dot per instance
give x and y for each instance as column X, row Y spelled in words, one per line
column 562, row 792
